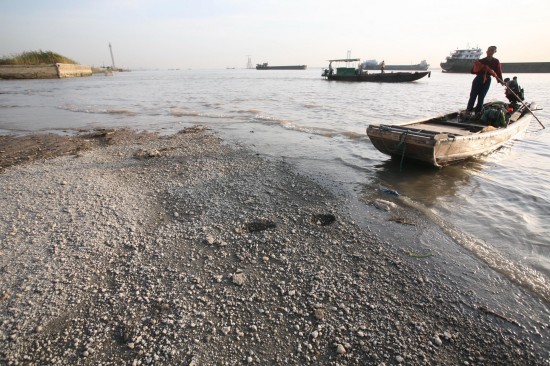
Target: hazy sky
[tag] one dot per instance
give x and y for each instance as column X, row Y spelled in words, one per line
column 221, row 33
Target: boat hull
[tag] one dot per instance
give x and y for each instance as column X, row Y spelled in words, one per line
column 289, row 67
column 457, row 66
column 433, row 144
column 417, row 67
column 388, row 77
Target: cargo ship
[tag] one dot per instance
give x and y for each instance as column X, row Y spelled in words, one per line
column 462, row 60
column 374, row 65
column 265, row 66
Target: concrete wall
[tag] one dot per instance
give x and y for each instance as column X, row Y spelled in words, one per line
column 44, row 71
column 71, row 71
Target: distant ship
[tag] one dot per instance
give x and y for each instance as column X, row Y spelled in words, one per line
column 265, row 66
column 462, row 60
column 374, row 65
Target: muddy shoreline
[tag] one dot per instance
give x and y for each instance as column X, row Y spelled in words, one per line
column 132, row 248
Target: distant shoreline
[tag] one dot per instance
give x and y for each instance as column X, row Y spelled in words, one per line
column 51, row 71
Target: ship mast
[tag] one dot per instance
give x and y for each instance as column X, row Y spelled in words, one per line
column 112, row 57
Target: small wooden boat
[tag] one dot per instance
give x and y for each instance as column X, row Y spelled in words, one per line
column 359, row 74
column 452, row 137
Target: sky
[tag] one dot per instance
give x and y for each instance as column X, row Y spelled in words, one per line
column 215, row 34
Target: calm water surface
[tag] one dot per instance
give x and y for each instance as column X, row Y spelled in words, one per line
column 496, row 207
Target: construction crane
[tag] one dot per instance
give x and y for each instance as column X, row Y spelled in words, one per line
column 112, row 57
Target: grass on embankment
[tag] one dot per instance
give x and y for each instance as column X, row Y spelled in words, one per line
column 36, row 58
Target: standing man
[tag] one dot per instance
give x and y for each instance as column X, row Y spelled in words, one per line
column 483, row 69
column 382, row 66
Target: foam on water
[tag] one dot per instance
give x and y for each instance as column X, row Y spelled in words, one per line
column 517, row 272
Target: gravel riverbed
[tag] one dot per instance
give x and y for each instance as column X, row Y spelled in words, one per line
column 139, row 249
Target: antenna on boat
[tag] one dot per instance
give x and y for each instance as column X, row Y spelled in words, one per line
column 112, row 57
column 348, row 56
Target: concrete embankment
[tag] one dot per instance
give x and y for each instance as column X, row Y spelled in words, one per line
column 52, row 71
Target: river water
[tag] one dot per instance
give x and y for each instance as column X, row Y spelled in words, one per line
column 495, row 208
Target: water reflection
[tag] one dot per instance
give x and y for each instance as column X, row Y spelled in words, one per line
column 422, row 183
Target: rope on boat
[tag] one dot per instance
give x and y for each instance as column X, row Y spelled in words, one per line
column 402, row 142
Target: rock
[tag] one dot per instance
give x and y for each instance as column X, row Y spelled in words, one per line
column 340, row 349
column 384, row 205
column 319, row 314
column 239, row 279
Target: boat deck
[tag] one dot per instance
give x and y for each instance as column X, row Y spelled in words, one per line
column 449, row 127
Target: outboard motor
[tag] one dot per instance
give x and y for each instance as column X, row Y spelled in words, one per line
column 514, row 93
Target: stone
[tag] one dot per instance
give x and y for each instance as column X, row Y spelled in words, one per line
column 319, row 314
column 239, row 279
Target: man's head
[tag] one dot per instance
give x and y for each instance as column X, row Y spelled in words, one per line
column 491, row 50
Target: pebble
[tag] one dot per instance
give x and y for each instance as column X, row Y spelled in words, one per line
column 239, row 279
column 319, row 314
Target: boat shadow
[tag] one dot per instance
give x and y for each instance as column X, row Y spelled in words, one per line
column 422, row 183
